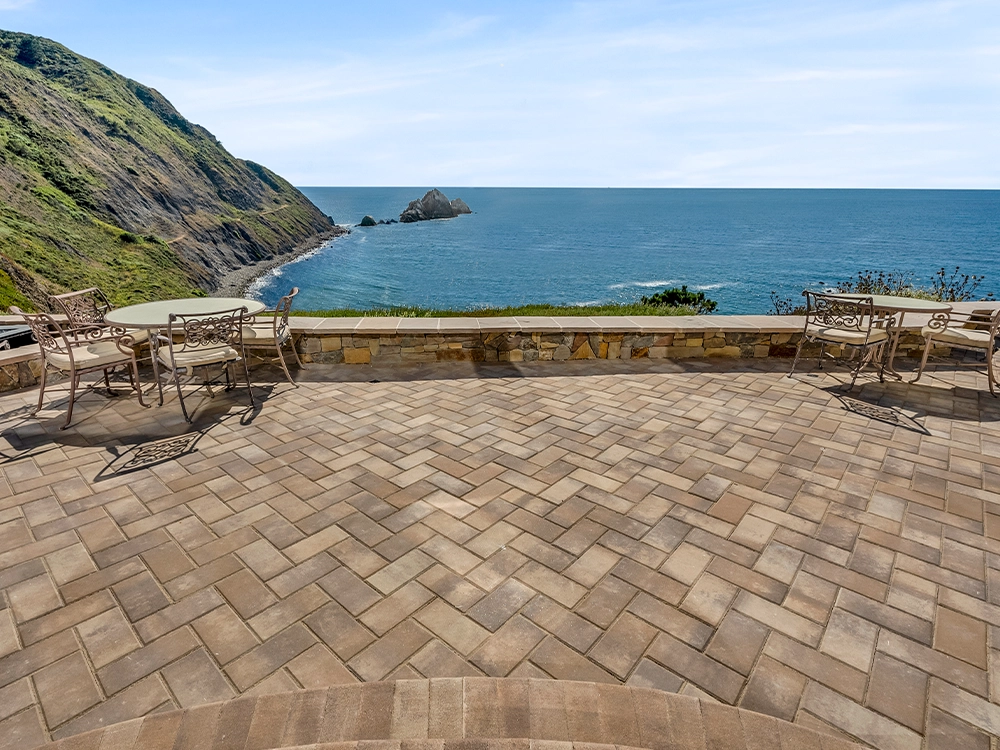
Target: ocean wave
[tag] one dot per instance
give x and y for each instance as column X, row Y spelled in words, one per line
column 708, row 287
column 256, row 287
column 643, row 284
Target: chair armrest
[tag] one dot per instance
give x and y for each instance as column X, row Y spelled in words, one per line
column 88, row 334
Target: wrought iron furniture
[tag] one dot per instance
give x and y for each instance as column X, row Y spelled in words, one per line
column 81, row 350
column 88, row 307
column 976, row 331
column 274, row 333
column 201, row 341
column 844, row 322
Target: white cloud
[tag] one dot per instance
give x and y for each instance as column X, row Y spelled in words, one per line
column 15, row 4
column 773, row 96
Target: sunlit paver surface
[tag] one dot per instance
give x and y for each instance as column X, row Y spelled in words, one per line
column 720, row 531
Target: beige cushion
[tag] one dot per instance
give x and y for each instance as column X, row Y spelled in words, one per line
column 140, row 335
column 200, row 357
column 969, row 338
column 100, row 353
column 262, row 334
column 848, row 336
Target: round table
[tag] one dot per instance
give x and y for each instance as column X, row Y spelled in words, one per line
column 890, row 303
column 157, row 314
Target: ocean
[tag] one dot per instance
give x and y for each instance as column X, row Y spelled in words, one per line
column 571, row 246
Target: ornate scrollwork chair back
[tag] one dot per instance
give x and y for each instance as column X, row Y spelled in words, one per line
column 86, row 307
column 196, row 341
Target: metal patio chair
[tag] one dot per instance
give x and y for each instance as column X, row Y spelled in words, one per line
column 976, row 331
column 201, row 342
column 274, row 333
column 81, row 350
column 88, row 308
column 844, row 321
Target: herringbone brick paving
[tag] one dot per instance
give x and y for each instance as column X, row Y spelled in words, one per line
column 719, row 531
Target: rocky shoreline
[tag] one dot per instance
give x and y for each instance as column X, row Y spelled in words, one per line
column 236, row 282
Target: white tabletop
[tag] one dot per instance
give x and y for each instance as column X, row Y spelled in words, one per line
column 903, row 304
column 157, row 314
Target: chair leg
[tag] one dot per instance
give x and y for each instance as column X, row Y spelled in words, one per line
column 73, row 380
column 41, row 388
column 798, row 351
column 295, row 351
column 180, row 395
column 107, row 382
column 246, row 369
column 133, row 377
column 281, row 359
column 854, row 375
column 923, row 359
column 822, row 353
column 156, row 373
column 990, row 374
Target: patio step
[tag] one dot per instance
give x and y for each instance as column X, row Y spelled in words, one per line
column 471, row 713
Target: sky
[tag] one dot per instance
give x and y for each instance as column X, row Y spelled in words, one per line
column 706, row 93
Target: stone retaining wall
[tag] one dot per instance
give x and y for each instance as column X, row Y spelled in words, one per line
column 540, row 347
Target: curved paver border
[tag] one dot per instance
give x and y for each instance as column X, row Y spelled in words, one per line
column 459, row 714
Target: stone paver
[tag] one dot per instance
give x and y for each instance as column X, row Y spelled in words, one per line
column 720, row 531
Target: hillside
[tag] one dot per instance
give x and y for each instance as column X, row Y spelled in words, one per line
column 103, row 182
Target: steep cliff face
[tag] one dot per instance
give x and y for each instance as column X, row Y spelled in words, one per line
column 103, row 182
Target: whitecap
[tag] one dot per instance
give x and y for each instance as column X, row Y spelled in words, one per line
column 644, row 284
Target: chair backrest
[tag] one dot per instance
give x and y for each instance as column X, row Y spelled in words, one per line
column 281, row 311
column 855, row 313
column 47, row 332
column 218, row 330
column 86, row 307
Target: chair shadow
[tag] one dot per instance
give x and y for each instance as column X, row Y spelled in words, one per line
column 907, row 405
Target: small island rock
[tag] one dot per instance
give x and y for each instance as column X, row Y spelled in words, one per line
column 368, row 221
column 434, row 205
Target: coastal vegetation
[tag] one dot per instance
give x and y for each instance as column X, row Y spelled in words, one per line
column 944, row 286
column 520, row 311
column 682, row 297
column 103, row 183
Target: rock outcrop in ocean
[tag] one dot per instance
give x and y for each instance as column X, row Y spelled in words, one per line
column 434, row 205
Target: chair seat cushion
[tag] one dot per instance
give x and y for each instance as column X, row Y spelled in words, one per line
column 849, row 336
column 139, row 335
column 262, row 334
column 194, row 357
column 97, row 354
column 969, row 338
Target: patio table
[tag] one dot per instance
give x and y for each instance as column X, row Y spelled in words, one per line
column 889, row 304
column 155, row 316
column 152, row 315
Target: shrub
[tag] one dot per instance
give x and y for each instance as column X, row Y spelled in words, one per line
column 785, row 306
column 879, row 282
column 959, row 287
column 682, row 297
column 944, row 287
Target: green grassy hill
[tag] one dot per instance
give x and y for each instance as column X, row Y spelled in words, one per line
column 103, row 182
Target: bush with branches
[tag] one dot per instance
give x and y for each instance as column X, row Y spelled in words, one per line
column 683, row 297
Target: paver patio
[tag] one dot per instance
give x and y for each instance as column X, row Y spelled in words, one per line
column 715, row 530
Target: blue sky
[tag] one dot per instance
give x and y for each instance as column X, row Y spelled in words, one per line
column 716, row 93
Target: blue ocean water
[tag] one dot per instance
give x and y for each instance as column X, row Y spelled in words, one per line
column 582, row 246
